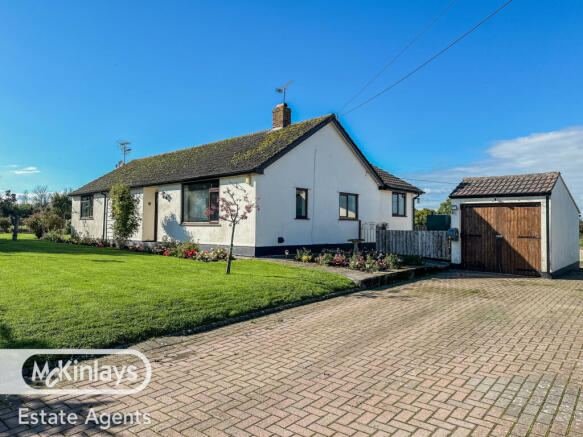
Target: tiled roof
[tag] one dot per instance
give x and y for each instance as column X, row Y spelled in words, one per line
column 512, row 185
column 393, row 182
column 245, row 154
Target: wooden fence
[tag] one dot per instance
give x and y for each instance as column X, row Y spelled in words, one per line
column 428, row 244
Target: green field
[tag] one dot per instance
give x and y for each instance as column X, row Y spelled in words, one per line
column 58, row 295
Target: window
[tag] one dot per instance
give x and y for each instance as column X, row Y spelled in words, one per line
column 348, row 206
column 197, row 198
column 86, row 207
column 399, row 204
column 301, row 203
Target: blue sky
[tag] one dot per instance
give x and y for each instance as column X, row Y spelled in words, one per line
column 79, row 76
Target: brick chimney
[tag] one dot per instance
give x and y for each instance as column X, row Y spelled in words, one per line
column 281, row 116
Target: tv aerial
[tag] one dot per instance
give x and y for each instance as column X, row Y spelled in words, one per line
column 283, row 88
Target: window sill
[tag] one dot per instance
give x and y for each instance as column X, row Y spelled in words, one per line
column 397, row 215
column 200, row 224
column 346, row 219
column 302, row 218
column 85, row 218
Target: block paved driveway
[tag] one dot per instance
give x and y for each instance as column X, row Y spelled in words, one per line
column 458, row 353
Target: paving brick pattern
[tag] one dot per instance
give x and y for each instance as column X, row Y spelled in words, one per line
column 455, row 354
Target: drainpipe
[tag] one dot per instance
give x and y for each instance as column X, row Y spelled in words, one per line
column 104, row 215
column 413, row 215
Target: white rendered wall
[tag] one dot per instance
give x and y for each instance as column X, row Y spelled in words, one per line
column 326, row 165
column 88, row 227
column 564, row 228
column 169, row 218
column 93, row 227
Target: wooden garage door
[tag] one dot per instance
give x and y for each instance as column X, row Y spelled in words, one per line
column 503, row 238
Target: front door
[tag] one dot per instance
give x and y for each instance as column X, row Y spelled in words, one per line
column 156, row 216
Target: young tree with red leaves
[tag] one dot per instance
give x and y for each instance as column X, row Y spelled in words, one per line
column 234, row 207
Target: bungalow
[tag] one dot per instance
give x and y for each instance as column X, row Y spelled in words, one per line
column 316, row 189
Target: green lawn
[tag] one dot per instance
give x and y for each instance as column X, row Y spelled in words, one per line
column 60, row 295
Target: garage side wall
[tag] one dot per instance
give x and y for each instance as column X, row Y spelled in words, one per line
column 564, row 229
column 456, row 218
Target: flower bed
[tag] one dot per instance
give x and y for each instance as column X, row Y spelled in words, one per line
column 367, row 260
column 186, row 250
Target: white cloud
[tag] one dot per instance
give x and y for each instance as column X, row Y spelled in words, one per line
column 26, row 170
column 560, row 150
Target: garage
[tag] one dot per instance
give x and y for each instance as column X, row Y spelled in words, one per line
column 517, row 224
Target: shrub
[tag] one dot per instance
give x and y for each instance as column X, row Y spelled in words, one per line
column 220, row 254
column 5, row 224
column 68, row 230
column 124, row 209
column 392, row 261
column 54, row 236
column 325, row 259
column 371, row 264
column 186, row 247
column 356, row 262
column 304, row 255
column 339, row 260
column 43, row 222
column 413, row 260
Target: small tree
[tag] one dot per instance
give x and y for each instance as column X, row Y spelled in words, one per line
column 124, row 209
column 445, row 207
column 234, row 207
column 9, row 207
column 41, row 197
column 45, row 221
column 61, row 204
column 421, row 216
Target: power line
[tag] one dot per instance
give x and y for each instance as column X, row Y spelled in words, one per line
column 398, row 55
column 438, row 54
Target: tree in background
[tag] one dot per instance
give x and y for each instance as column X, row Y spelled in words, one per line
column 5, row 224
column 233, row 208
column 124, row 209
column 445, row 207
column 61, row 204
column 24, row 198
column 41, row 197
column 421, row 216
column 9, row 207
